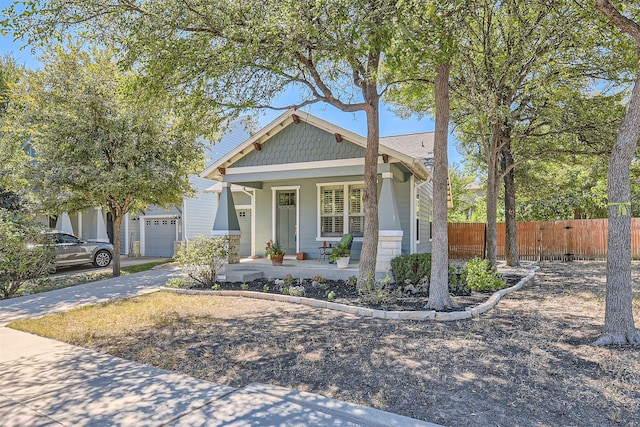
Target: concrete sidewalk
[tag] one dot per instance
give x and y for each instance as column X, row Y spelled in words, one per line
column 49, row 383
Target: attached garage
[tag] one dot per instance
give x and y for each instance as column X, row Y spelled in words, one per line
column 159, row 235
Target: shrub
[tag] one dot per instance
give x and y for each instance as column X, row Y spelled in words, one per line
column 297, row 291
column 411, row 268
column 26, row 253
column 319, row 279
column 481, row 276
column 457, row 282
column 203, row 258
column 377, row 292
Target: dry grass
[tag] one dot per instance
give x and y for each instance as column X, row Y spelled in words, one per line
column 85, row 325
column 528, row 362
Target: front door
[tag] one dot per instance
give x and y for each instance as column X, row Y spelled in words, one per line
column 286, row 221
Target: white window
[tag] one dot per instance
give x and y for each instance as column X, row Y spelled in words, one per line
column 337, row 219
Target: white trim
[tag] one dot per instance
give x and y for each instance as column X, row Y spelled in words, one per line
column 322, row 164
column 274, row 212
column 413, row 246
column 143, row 248
column 345, row 210
column 243, row 207
column 253, row 223
column 390, row 233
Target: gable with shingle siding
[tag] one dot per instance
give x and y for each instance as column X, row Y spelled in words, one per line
column 301, row 143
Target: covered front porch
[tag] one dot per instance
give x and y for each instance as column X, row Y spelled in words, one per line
column 254, row 268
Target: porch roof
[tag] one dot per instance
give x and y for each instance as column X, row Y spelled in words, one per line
column 409, row 150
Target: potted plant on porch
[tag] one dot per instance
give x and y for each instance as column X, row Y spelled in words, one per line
column 341, row 254
column 274, row 251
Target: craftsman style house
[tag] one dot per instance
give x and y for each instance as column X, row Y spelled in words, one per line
column 299, row 182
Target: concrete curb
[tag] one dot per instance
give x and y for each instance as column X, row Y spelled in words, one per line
column 369, row 312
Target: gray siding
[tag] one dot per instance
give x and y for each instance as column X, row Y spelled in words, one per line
column 301, row 143
column 403, row 200
column 200, row 210
column 237, row 132
column 425, row 207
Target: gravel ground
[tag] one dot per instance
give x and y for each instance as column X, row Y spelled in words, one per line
column 528, row 362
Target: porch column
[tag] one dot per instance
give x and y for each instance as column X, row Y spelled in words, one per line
column 390, row 233
column 226, row 223
column 101, row 228
column 64, row 223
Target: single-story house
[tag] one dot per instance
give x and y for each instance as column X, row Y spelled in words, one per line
column 299, row 182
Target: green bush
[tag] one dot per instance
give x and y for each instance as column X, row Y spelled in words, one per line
column 481, row 276
column 411, row 268
column 26, row 253
column 458, row 282
column 378, row 292
column 203, row 258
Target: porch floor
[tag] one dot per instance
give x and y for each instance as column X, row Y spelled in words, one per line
column 305, row 269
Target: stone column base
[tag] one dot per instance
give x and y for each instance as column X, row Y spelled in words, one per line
column 233, row 256
column 389, row 247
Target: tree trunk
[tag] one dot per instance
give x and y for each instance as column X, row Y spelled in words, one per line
column 117, row 222
column 619, row 327
column 511, row 236
column 492, row 194
column 439, row 297
column 369, row 253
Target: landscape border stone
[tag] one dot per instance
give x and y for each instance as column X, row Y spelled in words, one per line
column 441, row 316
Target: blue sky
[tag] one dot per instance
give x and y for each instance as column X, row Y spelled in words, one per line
column 390, row 124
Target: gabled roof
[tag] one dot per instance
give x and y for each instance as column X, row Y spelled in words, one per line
column 406, row 148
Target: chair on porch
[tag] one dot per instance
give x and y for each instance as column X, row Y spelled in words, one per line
column 347, row 240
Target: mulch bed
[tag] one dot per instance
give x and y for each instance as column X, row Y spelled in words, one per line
column 343, row 292
column 527, row 362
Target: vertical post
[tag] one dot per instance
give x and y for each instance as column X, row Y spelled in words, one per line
column 390, row 232
column 226, row 223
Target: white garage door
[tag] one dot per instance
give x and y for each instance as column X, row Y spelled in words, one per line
column 159, row 235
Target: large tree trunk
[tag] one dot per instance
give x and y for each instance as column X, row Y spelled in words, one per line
column 369, row 253
column 117, row 222
column 511, row 236
column 492, row 194
column 619, row 327
column 439, row 298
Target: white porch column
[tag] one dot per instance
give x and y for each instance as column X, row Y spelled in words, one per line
column 390, row 233
column 226, row 223
column 64, row 223
column 101, row 228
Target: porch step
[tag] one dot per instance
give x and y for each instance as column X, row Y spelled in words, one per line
column 243, row 275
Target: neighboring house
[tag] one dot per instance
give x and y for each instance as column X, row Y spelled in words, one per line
column 157, row 231
column 299, row 182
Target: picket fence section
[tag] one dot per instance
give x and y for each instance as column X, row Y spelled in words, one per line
column 542, row 240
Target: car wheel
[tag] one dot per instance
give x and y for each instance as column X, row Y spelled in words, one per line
column 102, row 259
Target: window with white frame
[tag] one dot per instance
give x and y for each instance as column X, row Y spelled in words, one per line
column 334, row 215
column 332, row 211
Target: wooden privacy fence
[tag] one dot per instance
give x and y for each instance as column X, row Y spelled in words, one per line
column 542, row 240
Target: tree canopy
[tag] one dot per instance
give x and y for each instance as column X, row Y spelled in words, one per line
column 95, row 144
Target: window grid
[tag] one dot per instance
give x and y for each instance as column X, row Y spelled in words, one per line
column 336, row 212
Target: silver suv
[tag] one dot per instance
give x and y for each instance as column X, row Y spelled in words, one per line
column 71, row 250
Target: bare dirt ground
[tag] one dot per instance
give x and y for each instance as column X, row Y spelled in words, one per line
column 528, row 362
